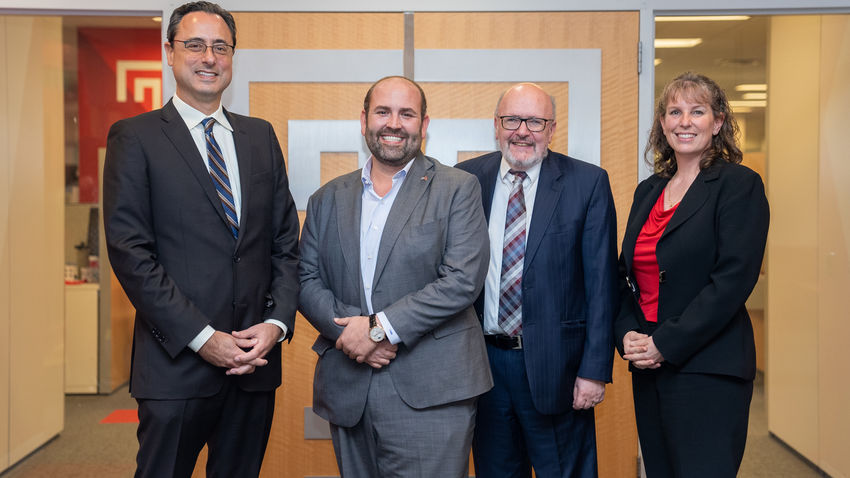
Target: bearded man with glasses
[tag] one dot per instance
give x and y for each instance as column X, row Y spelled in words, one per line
column 202, row 233
column 549, row 298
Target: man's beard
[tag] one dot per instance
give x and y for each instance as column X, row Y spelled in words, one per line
column 517, row 164
column 393, row 156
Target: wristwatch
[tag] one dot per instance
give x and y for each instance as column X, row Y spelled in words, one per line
column 376, row 332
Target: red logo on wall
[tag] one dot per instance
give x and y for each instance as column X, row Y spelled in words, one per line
column 119, row 75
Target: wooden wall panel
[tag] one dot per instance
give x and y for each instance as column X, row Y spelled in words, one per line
column 289, row 454
column 320, row 31
column 5, row 249
column 335, row 164
column 466, row 155
column 281, row 102
column 469, row 100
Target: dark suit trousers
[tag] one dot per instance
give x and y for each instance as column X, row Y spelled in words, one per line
column 691, row 425
column 511, row 436
column 235, row 425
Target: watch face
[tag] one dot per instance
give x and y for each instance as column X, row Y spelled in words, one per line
column 376, row 334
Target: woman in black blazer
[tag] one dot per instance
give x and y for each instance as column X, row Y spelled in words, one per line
column 691, row 255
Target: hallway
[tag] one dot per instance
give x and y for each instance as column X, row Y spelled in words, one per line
column 88, row 448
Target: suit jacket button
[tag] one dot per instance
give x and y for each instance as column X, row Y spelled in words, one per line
column 236, row 258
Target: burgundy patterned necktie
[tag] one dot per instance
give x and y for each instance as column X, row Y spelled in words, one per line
column 513, row 253
column 218, row 172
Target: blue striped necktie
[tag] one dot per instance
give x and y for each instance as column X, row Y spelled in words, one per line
column 513, row 255
column 218, row 172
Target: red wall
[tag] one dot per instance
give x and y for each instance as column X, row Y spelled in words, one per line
column 99, row 52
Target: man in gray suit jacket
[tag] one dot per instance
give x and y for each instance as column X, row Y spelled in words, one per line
column 393, row 257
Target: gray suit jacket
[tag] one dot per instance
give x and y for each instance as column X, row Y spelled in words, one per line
column 431, row 265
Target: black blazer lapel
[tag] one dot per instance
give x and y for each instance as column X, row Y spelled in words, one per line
column 488, row 178
column 638, row 218
column 694, row 199
column 548, row 193
column 175, row 130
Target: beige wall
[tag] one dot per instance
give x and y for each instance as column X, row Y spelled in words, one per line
column 31, row 235
column 834, row 245
column 5, row 251
column 807, row 263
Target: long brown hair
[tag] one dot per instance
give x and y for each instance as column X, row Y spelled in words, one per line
column 723, row 147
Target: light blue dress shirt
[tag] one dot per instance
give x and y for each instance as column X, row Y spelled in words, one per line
column 373, row 216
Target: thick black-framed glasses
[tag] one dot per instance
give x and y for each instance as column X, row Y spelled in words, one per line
column 535, row 125
column 198, row 47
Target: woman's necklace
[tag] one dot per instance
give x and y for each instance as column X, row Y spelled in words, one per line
column 676, row 188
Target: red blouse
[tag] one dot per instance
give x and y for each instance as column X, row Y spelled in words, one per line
column 645, row 268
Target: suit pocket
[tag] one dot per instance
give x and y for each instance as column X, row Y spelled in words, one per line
column 321, row 345
column 426, row 228
column 262, row 177
column 456, row 325
column 561, row 225
column 573, row 321
column 420, row 247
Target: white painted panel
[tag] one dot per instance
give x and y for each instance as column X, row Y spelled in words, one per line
column 81, row 317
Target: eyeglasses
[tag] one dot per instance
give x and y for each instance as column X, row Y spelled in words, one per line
column 198, row 47
column 535, row 125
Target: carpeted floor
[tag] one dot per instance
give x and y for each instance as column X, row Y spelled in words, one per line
column 88, row 448
column 765, row 456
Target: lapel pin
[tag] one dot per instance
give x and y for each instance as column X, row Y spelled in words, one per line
column 424, row 178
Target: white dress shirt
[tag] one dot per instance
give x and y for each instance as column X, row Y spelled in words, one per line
column 223, row 133
column 373, row 216
column 496, row 229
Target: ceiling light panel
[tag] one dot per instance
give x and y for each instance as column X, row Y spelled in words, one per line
column 705, row 18
column 677, row 42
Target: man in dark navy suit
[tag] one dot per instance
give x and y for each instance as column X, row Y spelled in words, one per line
column 549, row 298
column 202, row 233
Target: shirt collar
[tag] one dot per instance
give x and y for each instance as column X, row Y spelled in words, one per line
column 193, row 117
column 532, row 173
column 366, row 172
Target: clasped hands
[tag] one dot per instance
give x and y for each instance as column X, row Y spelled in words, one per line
column 242, row 351
column 354, row 341
column 640, row 350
